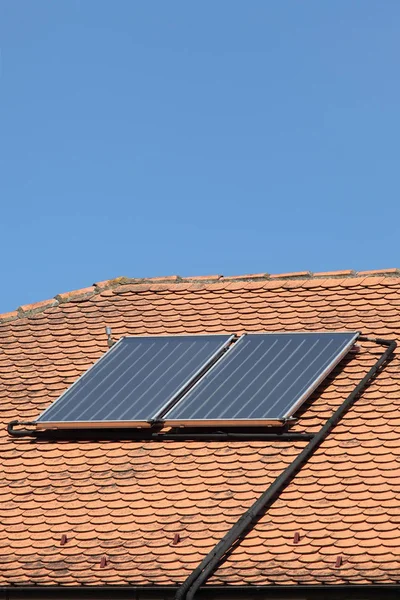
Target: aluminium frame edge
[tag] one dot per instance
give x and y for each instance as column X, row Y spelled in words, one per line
column 306, row 332
column 224, row 422
column 92, row 425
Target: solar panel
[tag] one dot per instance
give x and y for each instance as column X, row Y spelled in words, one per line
column 262, row 379
column 134, row 380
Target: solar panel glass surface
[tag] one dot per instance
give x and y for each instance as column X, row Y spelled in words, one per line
column 134, row 380
column 261, row 378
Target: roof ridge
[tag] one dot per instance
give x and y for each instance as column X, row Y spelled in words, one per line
column 29, row 309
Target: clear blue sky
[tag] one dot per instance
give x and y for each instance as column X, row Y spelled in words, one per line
column 155, row 137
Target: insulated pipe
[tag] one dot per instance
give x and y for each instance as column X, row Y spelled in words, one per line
column 240, row 528
column 85, row 434
column 20, row 432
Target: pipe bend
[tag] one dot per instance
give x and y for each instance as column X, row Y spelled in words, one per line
column 20, row 432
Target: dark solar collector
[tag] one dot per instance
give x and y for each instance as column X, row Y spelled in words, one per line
column 262, row 379
column 133, row 381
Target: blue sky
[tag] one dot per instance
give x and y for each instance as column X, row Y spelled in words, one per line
column 147, row 138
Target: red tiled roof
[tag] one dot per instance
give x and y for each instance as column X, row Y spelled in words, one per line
column 126, row 500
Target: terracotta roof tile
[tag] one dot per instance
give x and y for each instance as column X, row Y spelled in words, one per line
column 116, row 498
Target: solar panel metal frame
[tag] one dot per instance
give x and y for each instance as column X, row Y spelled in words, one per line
column 261, row 422
column 141, row 423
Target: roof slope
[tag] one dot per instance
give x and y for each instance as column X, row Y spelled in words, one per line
column 126, row 500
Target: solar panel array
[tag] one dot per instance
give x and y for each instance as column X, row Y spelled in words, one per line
column 202, row 380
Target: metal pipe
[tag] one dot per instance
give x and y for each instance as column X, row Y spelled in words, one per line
column 240, row 528
column 20, row 432
column 93, row 434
